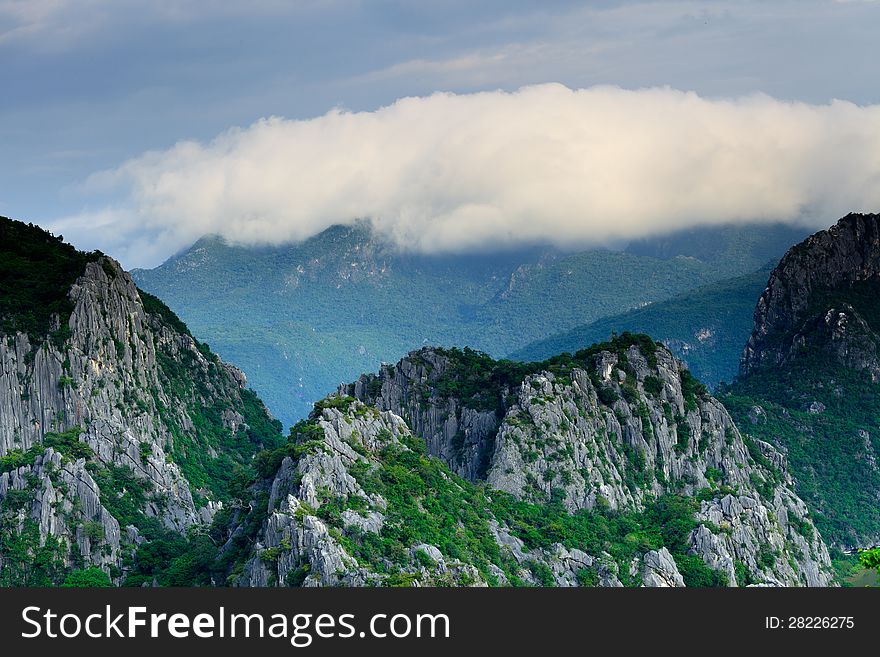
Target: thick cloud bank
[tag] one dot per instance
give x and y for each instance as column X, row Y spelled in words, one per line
column 453, row 172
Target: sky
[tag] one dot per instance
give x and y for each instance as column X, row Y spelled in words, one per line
column 137, row 126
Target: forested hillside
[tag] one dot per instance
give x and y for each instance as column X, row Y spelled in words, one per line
column 706, row 327
column 301, row 318
column 809, row 375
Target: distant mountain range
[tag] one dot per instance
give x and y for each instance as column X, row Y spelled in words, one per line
column 302, row 318
column 131, row 454
column 809, row 375
column 706, row 327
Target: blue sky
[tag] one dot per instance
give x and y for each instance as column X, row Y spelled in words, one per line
column 92, row 85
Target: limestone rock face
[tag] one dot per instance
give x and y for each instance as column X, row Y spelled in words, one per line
column 100, row 381
column 815, row 349
column 63, row 504
column 560, row 437
column 844, row 255
column 757, row 535
column 295, row 547
column 462, row 437
column 106, row 387
column 660, row 570
column 128, row 390
column 613, row 432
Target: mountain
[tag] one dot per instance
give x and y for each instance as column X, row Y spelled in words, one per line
column 752, row 245
column 809, row 375
column 302, row 318
column 706, row 328
column 610, row 467
column 130, row 454
column 119, row 431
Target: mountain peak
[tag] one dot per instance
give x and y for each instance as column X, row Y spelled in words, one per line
column 831, row 262
column 117, row 427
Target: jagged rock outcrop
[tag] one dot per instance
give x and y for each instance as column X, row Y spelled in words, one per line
column 119, row 384
column 846, row 254
column 62, row 502
column 460, row 435
column 101, row 380
column 624, row 425
column 809, row 374
column 300, row 543
column 660, row 570
column 295, row 546
column 559, row 436
column 611, row 430
column 612, row 467
column 788, row 553
column 98, row 385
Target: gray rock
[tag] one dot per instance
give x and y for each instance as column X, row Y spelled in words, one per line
column 660, row 570
column 847, row 253
column 107, row 381
column 463, row 437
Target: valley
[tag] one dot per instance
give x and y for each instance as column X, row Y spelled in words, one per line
column 131, row 454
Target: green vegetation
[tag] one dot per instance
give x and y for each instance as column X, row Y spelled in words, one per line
column 301, row 318
column 861, row 295
column 25, row 561
column 67, row 444
column 36, row 272
column 305, row 438
column 15, row 458
column 870, row 558
column 427, row 503
column 212, row 455
column 170, row 559
column 155, row 306
column 666, row 521
column 827, row 454
column 122, row 493
column 714, row 322
column 166, row 556
column 856, row 569
column 481, row 382
column 653, row 385
column 87, row 578
column 691, row 389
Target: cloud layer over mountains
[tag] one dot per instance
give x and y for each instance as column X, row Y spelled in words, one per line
column 453, row 172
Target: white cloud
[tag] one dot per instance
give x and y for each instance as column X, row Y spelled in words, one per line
column 452, row 172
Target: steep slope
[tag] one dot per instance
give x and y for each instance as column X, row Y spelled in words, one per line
column 302, row 318
column 809, row 372
column 610, row 467
column 750, row 245
column 841, row 261
column 705, row 328
column 116, row 425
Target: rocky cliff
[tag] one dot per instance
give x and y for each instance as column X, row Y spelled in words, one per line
column 117, row 414
column 801, row 291
column 128, row 449
column 617, row 434
column 809, row 375
column 423, row 388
